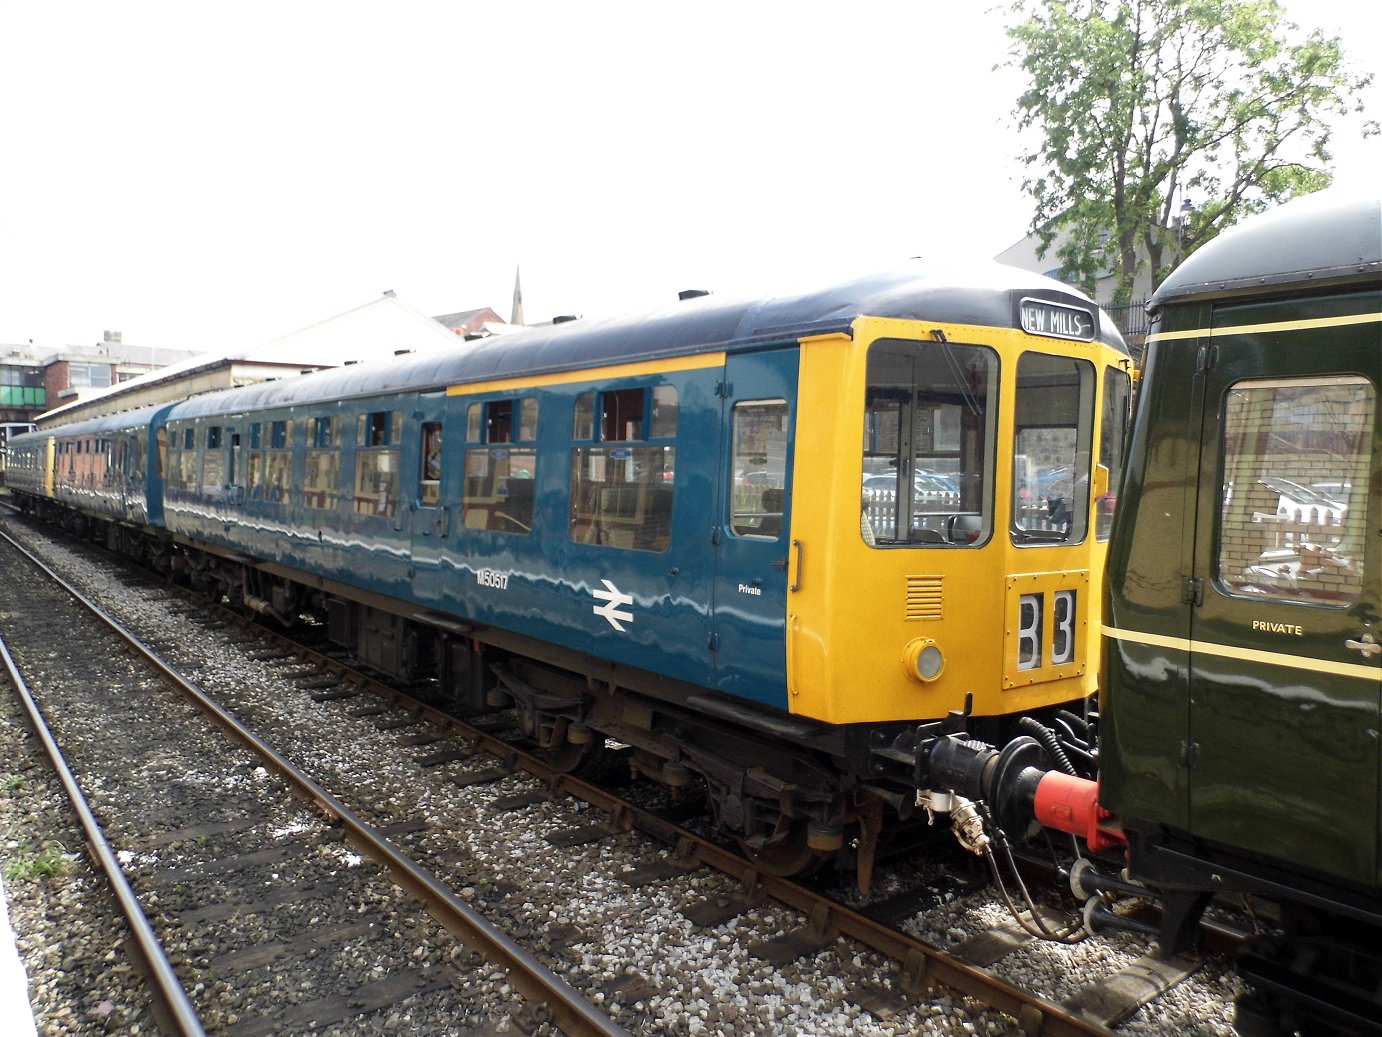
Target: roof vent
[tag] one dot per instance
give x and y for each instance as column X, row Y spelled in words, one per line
column 564, row 318
column 691, row 293
column 474, row 335
column 401, row 352
column 307, row 370
column 349, row 362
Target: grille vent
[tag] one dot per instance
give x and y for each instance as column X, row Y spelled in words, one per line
column 925, row 597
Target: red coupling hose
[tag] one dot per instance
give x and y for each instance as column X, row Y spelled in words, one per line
column 1071, row 804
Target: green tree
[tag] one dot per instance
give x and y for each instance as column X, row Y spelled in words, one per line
column 1137, row 106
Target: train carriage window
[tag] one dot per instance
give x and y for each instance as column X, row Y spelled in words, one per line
column 254, row 481
column 256, row 433
column 1297, row 454
column 429, row 462
column 621, row 495
column 377, row 463
column 1052, row 441
column 500, row 465
column 759, row 468
column 322, row 474
column 930, row 419
column 584, row 425
column 213, row 472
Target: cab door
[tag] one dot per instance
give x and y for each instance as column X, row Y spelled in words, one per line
column 428, row 516
column 1285, row 668
column 752, row 532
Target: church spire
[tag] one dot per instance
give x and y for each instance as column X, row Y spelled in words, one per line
column 516, row 316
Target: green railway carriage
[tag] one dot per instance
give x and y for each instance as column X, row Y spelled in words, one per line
column 1243, row 618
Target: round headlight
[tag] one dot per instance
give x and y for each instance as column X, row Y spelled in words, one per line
column 922, row 660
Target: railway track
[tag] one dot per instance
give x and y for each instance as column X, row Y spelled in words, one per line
column 722, row 900
column 210, row 841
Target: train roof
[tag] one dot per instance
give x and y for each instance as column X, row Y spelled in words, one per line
column 122, row 421
column 1326, row 239
column 983, row 295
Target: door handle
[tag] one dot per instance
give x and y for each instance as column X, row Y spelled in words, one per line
column 1368, row 645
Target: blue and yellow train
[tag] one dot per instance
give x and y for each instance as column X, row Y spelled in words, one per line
column 759, row 542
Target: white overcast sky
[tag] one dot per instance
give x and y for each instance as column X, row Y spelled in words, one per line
column 211, row 175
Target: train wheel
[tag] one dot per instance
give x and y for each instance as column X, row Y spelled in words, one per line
column 570, row 757
column 789, row 856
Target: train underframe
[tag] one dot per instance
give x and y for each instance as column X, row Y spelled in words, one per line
column 798, row 795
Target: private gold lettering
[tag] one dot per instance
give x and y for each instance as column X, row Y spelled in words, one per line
column 1278, row 628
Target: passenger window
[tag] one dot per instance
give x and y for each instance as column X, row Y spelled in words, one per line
column 500, row 466
column 429, row 477
column 758, row 492
column 1054, row 434
column 621, row 495
column 1293, row 512
column 377, row 464
column 930, row 414
column 321, row 484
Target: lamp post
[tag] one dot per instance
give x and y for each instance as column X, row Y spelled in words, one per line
column 1186, row 208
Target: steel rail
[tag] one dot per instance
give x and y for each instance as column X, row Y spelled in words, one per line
column 570, row 1010
column 921, row 963
column 168, row 989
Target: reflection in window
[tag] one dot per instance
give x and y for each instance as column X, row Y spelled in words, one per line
column 376, row 463
column 320, row 487
column 757, row 495
column 621, row 495
column 501, row 469
column 930, row 411
column 376, row 481
column 1297, row 454
column 1116, row 413
column 1053, row 425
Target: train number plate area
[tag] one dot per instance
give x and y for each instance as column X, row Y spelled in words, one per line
column 1047, row 631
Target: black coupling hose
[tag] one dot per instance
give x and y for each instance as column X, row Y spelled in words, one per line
column 1049, row 742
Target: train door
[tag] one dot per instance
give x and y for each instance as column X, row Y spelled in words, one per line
column 422, row 489
column 748, row 622
column 1285, row 673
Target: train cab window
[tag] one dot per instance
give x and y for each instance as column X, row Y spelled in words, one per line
column 1114, row 418
column 622, row 479
column 500, row 465
column 322, row 474
column 429, row 464
column 376, row 463
column 1297, row 454
column 930, row 420
column 1053, row 436
column 759, row 430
